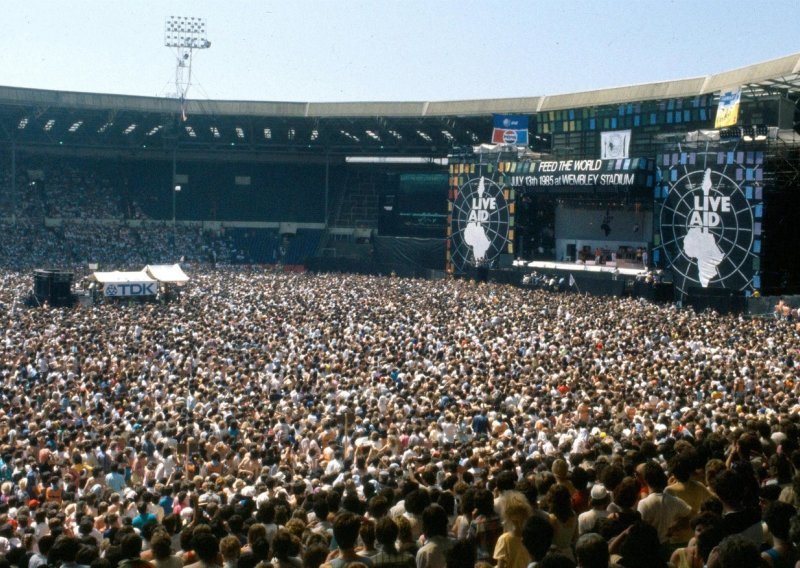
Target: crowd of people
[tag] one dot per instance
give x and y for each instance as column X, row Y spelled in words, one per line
column 67, row 215
column 70, row 192
column 30, row 244
column 59, row 189
column 265, row 419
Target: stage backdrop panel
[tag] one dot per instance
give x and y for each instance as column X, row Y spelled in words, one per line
column 709, row 212
column 586, row 224
column 481, row 212
column 415, row 254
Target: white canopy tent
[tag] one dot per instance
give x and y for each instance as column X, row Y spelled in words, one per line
column 167, row 273
column 120, row 277
column 117, row 283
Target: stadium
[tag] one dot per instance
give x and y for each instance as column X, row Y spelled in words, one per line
column 276, row 333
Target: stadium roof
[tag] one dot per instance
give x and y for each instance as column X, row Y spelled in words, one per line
column 34, row 117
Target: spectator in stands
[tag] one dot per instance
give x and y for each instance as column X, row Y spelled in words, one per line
column 599, row 501
column 486, row 526
column 778, row 517
column 346, row 527
column 537, row 537
column 386, row 533
column 509, row 552
column 563, row 519
column 667, row 513
column 433, row 554
column 735, row 551
column 591, row 551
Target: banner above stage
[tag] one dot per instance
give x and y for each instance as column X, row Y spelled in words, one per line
column 510, row 129
column 579, row 176
column 728, row 109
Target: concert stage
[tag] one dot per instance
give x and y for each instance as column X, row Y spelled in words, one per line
column 599, row 280
column 588, row 266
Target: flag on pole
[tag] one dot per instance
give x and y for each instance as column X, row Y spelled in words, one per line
column 571, row 281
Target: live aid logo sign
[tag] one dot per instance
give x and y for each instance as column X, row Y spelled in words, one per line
column 481, row 206
column 706, row 210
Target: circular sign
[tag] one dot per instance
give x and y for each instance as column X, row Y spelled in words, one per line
column 707, row 230
column 480, row 224
column 615, row 146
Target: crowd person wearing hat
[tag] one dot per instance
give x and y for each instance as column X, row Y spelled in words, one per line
column 599, row 501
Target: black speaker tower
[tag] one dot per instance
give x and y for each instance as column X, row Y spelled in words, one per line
column 53, row 287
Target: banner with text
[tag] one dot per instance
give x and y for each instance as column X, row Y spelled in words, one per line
column 580, row 176
column 118, row 289
column 510, row 129
column 728, row 109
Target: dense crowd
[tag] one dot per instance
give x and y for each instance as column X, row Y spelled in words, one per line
column 63, row 215
column 267, row 419
column 70, row 192
column 58, row 190
column 30, row 244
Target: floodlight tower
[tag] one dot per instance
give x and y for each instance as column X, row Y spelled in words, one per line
column 184, row 34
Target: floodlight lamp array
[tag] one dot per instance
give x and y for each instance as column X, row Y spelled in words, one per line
column 186, row 31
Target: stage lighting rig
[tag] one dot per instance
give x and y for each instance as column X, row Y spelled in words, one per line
column 184, row 34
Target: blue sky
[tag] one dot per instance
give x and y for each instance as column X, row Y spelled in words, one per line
column 380, row 50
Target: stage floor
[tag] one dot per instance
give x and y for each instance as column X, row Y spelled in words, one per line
column 578, row 267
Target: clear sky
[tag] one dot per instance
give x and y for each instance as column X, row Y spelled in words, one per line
column 385, row 50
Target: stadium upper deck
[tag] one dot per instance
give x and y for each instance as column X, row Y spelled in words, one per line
column 264, row 130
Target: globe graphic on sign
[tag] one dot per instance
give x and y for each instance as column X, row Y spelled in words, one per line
column 707, row 230
column 615, row 147
column 480, row 224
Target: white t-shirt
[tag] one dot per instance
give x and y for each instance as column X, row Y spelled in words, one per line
column 661, row 510
column 588, row 519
